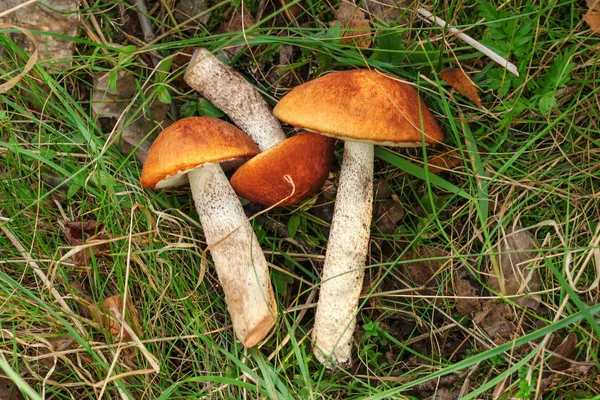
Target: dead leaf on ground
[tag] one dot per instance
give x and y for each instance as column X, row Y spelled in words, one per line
column 42, row 17
column 187, row 9
column 180, row 63
column 79, row 233
column 514, row 260
column 461, row 82
column 592, row 17
column 439, row 388
column 466, row 304
column 443, row 162
column 282, row 74
column 497, row 320
column 386, row 215
column 423, row 266
column 239, row 21
column 330, row 186
column 575, row 373
column 9, row 390
column 111, row 104
column 354, row 23
column 563, row 353
column 388, row 11
column 104, row 313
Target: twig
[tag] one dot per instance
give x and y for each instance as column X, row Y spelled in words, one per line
column 144, row 20
column 510, row 67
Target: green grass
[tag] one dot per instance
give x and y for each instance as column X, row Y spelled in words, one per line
column 531, row 155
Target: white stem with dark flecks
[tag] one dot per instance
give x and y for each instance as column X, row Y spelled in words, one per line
column 238, row 258
column 345, row 258
column 235, row 96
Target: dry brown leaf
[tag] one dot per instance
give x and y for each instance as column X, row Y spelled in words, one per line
column 356, row 26
column 592, row 17
column 563, row 353
column 388, row 11
column 386, row 214
column 496, row 319
column 240, row 20
column 424, row 266
column 112, row 106
column 461, row 83
column 41, row 17
column 180, row 63
column 79, row 233
column 9, row 390
column 443, row 162
column 439, row 388
column 105, row 314
column 514, row 259
column 465, row 304
column 187, row 9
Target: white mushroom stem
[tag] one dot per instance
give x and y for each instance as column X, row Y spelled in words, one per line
column 345, row 258
column 237, row 256
column 235, row 96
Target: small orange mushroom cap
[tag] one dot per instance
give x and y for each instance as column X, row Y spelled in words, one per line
column 361, row 105
column 189, row 143
column 305, row 158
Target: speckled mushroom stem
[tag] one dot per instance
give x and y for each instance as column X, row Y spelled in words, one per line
column 238, row 259
column 345, row 258
column 235, row 96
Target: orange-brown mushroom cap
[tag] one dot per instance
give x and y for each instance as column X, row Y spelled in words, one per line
column 189, row 143
column 361, row 105
column 306, row 158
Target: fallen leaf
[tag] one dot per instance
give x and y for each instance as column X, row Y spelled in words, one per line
column 514, row 259
column 388, row 11
column 111, row 99
column 283, row 74
column 423, row 265
column 386, row 215
column 496, row 319
column 56, row 16
column 9, row 390
column 592, row 17
column 465, row 303
column 381, row 190
column 438, row 388
column 180, row 63
column 185, row 10
column 105, row 314
column 79, row 233
column 356, row 26
column 461, row 82
column 330, row 186
column 241, row 20
column 563, row 353
column 443, row 162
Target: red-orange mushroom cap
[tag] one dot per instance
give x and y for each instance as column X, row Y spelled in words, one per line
column 305, row 159
column 361, row 105
column 192, row 142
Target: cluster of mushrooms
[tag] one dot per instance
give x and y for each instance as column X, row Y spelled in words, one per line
column 361, row 107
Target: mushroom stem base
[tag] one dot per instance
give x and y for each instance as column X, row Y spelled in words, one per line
column 345, row 259
column 238, row 258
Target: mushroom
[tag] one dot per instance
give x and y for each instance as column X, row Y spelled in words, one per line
column 364, row 108
column 305, row 158
column 194, row 150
